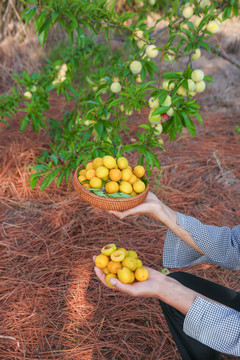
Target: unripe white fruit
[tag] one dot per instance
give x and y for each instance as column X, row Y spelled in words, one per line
column 56, row 81
column 115, row 78
column 115, row 87
column 141, row 43
column 138, row 34
column 197, row 75
column 181, row 91
column 205, row 3
column 27, row 95
column 153, row 103
column 33, row 88
column 169, row 55
column 138, row 79
column 154, row 119
column 187, row 12
column 160, row 141
column 122, row 108
column 159, row 128
column 152, row 2
column 170, row 112
column 167, row 101
column 151, row 51
column 167, row 85
column 135, row 67
column 200, row 86
column 196, row 55
column 61, row 73
column 62, row 78
column 191, row 85
column 192, row 93
column 212, row 27
column 64, row 67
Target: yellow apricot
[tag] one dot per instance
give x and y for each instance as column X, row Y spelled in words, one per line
column 102, row 172
column 108, row 249
column 105, row 270
column 86, row 185
column 89, row 166
column 111, row 187
column 141, row 274
column 132, row 277
column 97, row 162
column 139, row 171
column 125, row 251
column 122, row 163
column 95, row 183
column 139, row 263
column 125, row 187
column 132, row 253
column 114, row 266
column 109, row 276
column 130, row 262
column 126, row 174
column 115, row 174
column 132, row 179
column 118, row 255
column 124, row 275
column 109, row 162
column 101, row 261
column 82, row 172
column 139, row 186
column 90, row 174
column 81, row 178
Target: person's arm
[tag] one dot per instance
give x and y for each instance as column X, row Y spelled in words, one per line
column 155, row 208
column 221, row 245
column 188, row 241
column 209, row 322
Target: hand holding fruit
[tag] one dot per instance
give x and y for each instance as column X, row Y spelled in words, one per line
column 148, row 288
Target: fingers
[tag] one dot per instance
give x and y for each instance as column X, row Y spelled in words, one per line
column 119, row 214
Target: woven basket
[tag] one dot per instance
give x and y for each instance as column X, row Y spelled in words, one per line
column 107, row 203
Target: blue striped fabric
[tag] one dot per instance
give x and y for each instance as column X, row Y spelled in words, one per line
column 215, row 325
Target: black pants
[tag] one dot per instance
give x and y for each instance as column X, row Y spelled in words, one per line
column 189, row 348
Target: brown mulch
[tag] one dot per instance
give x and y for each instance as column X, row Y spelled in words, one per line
column 52, row 306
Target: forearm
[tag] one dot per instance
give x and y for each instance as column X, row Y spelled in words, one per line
column 176, row 295
column 169, row 218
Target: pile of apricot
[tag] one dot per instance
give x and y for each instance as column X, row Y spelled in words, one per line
column 122, row 264
column 113, row 176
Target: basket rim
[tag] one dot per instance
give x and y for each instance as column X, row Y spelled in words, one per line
column 109, row 199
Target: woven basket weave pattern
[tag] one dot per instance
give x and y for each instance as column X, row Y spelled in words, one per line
column 107, row 203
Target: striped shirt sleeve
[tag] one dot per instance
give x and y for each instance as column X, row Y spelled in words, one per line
column 214, row 325
column 221, row 245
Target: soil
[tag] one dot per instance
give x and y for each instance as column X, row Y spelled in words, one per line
column 52, row 304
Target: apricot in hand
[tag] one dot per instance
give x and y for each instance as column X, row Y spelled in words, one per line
column 124, row 275
column 130, row 262
column 141, row 274
column 108, row 249
column 101, row 261
column 118, row 255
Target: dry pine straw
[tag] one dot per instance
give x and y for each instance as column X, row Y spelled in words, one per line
column 52, row 306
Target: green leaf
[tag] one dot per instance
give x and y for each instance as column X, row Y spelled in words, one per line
column 49, row 178
column 119, row 195
column 28, row 14
column 189, row 124
column 198, row 117
column 43, row 31
column 98, row 192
